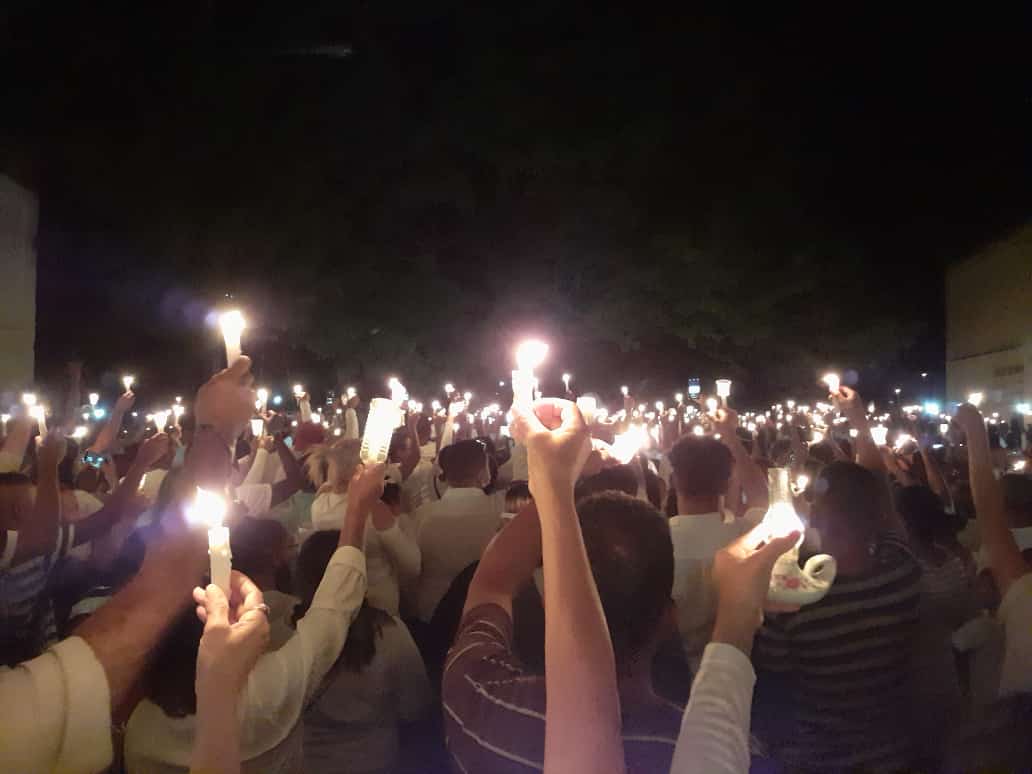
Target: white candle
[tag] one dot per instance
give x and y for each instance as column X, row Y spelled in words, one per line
column 257, row 427
column 160, row 420
column 679, row 398
column 263, row 398
column 351, row 392
column 449, row 388
column 529, row 355
column 626, row 445
column 209, row 509
column 723, row 390
column 588, row 405
column 833, row 382
column 232, row 324
column 128, row 381
column 879, row 434
column 624, row 391
column 384, row 416
column 94, row 397
column 975, row 399
column 566, row 381
column 29, row 399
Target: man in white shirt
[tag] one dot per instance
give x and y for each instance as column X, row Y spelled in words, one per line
column 454, row 530
column 702, row 471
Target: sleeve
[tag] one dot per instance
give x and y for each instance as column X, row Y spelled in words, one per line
column 714, row 737
column 351, row 424
column 63, row 717
column 282, row 681
column 1016, row 616
column 256, row 497
column 257, row 471
column 411, row 685
column 403, row 551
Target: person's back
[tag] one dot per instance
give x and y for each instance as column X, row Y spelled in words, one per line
column 454, row 530
column 848, row 658
column 494, row 707
column 702, row 469
column 352, row 723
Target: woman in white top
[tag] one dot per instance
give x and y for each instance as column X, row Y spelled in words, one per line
column 379, row 682
column 392, row 556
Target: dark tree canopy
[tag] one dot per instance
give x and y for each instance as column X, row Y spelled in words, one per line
column 410, row 187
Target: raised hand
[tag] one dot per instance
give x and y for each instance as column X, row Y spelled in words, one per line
column 226, row 401
column 125, row 402
column 152, row 450
column 236, row 633
column 557, row 440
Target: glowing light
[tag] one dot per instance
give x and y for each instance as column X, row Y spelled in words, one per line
column 751, row 427
column 679, row 397
column 659, row 405
column 467, row 396
column 932, row 408
column 697, row 430
column 384, row 416
column 626, row 445
column 208, row 509
column 128, row 381
column 723, row 388
column 624, row 391
column 588, row 405
column 160, row 420
column 277, row 400
column 99, row 413
column 789, row 404
column 29, row 399
column 817, row 436
column 179, row 398
column 435, row 405
column 1024, row 408
column 257, row 427
column 711, row 405
column 94, row 397
column 4, row 418
column 879, row 433
column 975, row 398
column 566, row 381
column 232, row 324
column 802, row 481
column 299, row 390
column 1019, row 466
column 80, row 432
column 178, row 411
column 833, row 381
column 398, row 391
column 449, row 388
column 530, row 354
column 902, row 440
column 944, row 428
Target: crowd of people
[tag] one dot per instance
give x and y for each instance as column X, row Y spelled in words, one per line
column 551, row 587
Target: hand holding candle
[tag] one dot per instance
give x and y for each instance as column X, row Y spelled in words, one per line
column 209, row 509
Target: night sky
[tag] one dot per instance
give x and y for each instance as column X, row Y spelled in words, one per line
column 407, row 189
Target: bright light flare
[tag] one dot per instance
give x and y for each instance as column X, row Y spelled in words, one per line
column 206, row 510
column 833, row 381
column 975, row 398
column 530, row 354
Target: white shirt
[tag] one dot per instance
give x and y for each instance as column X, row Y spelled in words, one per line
column 55, row 712
column 696, row 539
column 1015, row 614
column 453, row 533
column 277, row 689
column 714, row 736
column 353, row 725
column 1022, row 536
column 392, row 556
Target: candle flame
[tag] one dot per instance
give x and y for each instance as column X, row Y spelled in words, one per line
column 530, row 354
column 232, row 323
column 207, row 509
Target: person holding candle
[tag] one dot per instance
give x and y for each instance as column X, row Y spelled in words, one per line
column 160, row 734
column 392, row 555
column 845, row 661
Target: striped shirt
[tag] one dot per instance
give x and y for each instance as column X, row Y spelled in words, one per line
column 849, row 657
column 494, row 710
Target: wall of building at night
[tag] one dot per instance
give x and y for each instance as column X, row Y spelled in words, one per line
column 989, row 324
column 18, row 219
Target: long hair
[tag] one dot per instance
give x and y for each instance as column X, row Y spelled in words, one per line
column 360, row 646
column 332, row 464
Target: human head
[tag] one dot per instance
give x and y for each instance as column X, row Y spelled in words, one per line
column 306, row 435
column 517, row 496
column 924, row 515
column 333, row 464
column 464, row 464
column 632, row 559
column 617, row 478
column 261, row 551
column 702, row 467
column 847, row 508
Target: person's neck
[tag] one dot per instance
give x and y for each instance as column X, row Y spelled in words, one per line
column 695, row 506
column 465, row 484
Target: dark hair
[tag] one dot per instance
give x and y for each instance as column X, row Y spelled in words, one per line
column 360, row 646
column 253, row 543
column 172, row 674
column 619, row 478
column 391, row 494
column 632, row 559
column 847, row 501
column 517, row 495
column 702, row 466
column 14, row 479
column 1017, row 494
column 462, row 461
column 924, row 515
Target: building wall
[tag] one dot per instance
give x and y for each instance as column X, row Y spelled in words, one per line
column 989, row 324
column 18, row 219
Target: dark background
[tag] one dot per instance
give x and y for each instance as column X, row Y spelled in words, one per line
column 397, row 188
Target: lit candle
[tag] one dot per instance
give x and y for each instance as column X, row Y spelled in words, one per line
column 299, row 390
column 128, row 381
column 697, row 430
column 467, row 396
column 659, row 406
column 625, row 391
column 351, row 392
column 177, row 411
column 257, row 427
column 398, row 392
column 263, row 398
column 208, row 509
column 449, row 388
column 588, row 405
column 879, row 433
column 833, row 381
column 29, row 399
column 723, row 390
column 179, row 398
column 975, row 399
column 627, row 444
column 679, row 398
column 711, row 405
column 232, row 324
column 529, row 355
column 566, row 381
column 384, row 416
column 94, row 397
column 80, row 432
